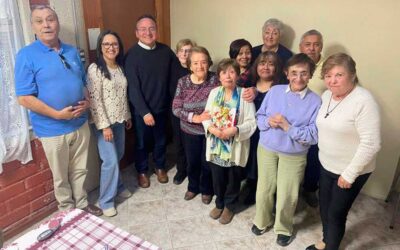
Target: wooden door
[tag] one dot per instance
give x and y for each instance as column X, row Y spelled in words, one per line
column 121, row 15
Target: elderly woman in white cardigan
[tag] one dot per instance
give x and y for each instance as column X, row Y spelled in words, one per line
column 228, row 138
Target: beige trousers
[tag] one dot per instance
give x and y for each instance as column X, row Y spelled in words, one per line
column 67, row 156
column 281, row 174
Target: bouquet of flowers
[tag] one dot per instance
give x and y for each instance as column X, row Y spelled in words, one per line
column 224, row 117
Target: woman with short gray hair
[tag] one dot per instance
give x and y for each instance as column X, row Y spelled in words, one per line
column 271, row 34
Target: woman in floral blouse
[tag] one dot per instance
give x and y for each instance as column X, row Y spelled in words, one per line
column 107, row 86
column 228, row 138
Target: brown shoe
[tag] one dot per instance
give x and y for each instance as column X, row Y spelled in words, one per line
column 162, row 176
column 226, row 216
column 92, row 209
column 206, row 199
column 143, row 180
column 215, row 213
column 189, row 195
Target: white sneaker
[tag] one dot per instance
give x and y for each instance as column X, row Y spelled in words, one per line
column 110, row 212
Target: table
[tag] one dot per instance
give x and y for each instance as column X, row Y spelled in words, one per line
column 81, row 230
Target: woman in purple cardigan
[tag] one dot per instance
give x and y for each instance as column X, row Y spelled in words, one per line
column 286, row 120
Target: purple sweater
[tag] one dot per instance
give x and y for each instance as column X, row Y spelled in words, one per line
column 299, row 112
column 190, row 99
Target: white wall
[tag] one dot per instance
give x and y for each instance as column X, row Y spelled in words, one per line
column 367, row 30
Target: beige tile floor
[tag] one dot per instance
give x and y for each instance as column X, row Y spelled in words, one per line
column 160, row 215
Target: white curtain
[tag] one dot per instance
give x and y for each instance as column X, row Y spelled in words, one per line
column 14, row 132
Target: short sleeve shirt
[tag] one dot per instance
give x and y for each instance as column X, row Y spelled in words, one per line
column 55, row 78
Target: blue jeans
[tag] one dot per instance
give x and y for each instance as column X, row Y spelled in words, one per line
column 144, row 136
column 110, row 153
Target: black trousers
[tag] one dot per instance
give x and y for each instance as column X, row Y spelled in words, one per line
column 179, row 149
column 226, row 182
column 198, row 170
column 335, row 203
column 312, row 172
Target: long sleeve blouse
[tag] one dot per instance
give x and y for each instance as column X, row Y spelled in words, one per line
column 108, row 98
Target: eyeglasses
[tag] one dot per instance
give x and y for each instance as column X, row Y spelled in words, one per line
column 64, row 62
column 108, row 45
column 184, row 51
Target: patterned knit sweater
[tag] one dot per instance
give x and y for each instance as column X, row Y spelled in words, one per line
column 190, row 99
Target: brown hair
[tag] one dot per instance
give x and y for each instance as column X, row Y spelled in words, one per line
column 301, row 58
column 267, row 56
column 148, row 16
column 184, row 42
column 224, row 64
column 340, row 59
column 201, row 50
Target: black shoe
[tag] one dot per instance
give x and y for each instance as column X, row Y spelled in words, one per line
column 258, row 231
column 312, row 247
column 284, row 240
column 179, row 178
column 310, row 198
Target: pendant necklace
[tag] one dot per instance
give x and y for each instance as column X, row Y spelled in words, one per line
column 329, row 104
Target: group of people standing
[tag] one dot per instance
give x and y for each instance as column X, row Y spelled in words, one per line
column 264, row 116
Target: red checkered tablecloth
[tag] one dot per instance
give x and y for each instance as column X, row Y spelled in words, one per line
column 80, row 230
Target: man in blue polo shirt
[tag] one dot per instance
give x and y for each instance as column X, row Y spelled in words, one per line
column 50, row 82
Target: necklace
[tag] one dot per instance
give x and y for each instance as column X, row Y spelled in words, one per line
column 329, row 104
column 113, row 71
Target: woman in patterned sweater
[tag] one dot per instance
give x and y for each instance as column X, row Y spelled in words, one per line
column 107, row 86
column 188, row 105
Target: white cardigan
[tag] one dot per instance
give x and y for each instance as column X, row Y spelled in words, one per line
column 246, row 124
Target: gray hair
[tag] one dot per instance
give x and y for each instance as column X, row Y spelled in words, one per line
column 275, row 23
column 312, row 33
column 42, row 7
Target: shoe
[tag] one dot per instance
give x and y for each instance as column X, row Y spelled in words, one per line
column 284, row 240
column 226, row 216
column 206, row 199
column 92, row 209
column 258, row 231
column 125, row 194
column 321, row 246
column 110, row 212
column 189, row 195
column 215, row 213
column 310, row 198
column 179, row 178
column 162, row 176
column 121, row 197
column 143, row 181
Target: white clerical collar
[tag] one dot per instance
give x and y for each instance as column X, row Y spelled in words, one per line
column 144, row 46
column 302, row 93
